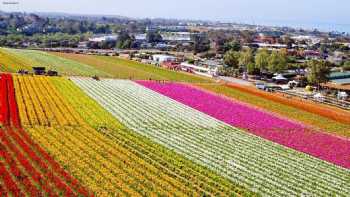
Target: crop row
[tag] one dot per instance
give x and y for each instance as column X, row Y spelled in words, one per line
column 315, row 120
column 108, row 165
column 26, row 169
column 258, row 122
column 333, row 113
column 40, row 104
column 260, row 165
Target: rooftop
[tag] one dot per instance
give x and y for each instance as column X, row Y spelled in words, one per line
column 341, row 81
column 339, row 75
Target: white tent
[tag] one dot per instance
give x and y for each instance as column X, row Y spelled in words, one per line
column 342, row 95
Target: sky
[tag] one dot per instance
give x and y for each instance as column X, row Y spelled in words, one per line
column 313, row 13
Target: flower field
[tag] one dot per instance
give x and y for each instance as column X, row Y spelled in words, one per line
column 126, row 69
column 25, row 168
column 76, row 136
column 10, row 63
column 258, row 122
column 52, row 62
column 101, row 153
column 319, row 109
column 326, row 124
column 258, row 164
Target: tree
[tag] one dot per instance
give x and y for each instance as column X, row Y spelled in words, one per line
column 231, row 59
column 245, row 57
column 124, row 40
column 153, row 37
column 262, row 59
column 277, row 62
column 346, row 66
column 318, row 72
column 218, row 40
column 323, row 49
column 231, row 64
column 228, row 71
column 233, row 45
column 247, row 36
column 252, row 69
column 288, row 41
column 201, row 42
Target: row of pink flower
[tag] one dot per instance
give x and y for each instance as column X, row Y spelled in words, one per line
column 282, row 131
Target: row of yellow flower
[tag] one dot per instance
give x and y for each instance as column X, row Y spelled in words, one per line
column 39, row 103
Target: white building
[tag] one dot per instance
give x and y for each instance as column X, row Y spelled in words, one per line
column 176, row 36
column 205, row 71
column 308, row 39
column 140, row 37
column 104, row 38
column 163, row 58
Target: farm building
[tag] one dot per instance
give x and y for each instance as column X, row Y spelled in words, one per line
column 163, row 58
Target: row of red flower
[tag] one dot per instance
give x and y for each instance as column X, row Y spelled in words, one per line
column 27, row 166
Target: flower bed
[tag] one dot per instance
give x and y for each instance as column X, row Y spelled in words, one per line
column 26, row 169
column 265, row 125
column 326, row 124
column 256, row 163
column 106, row 157
column 323, row 110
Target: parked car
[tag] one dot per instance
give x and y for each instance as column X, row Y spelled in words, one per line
column 260, row 86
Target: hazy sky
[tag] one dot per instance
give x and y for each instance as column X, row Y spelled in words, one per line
column 251, row 11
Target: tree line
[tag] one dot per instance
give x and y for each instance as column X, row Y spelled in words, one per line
column 259, row 62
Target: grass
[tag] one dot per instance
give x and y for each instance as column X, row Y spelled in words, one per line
column 29, row 58
column 126, row 69
column 330, row 126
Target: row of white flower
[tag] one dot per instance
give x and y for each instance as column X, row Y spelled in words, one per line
column 258, row 164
